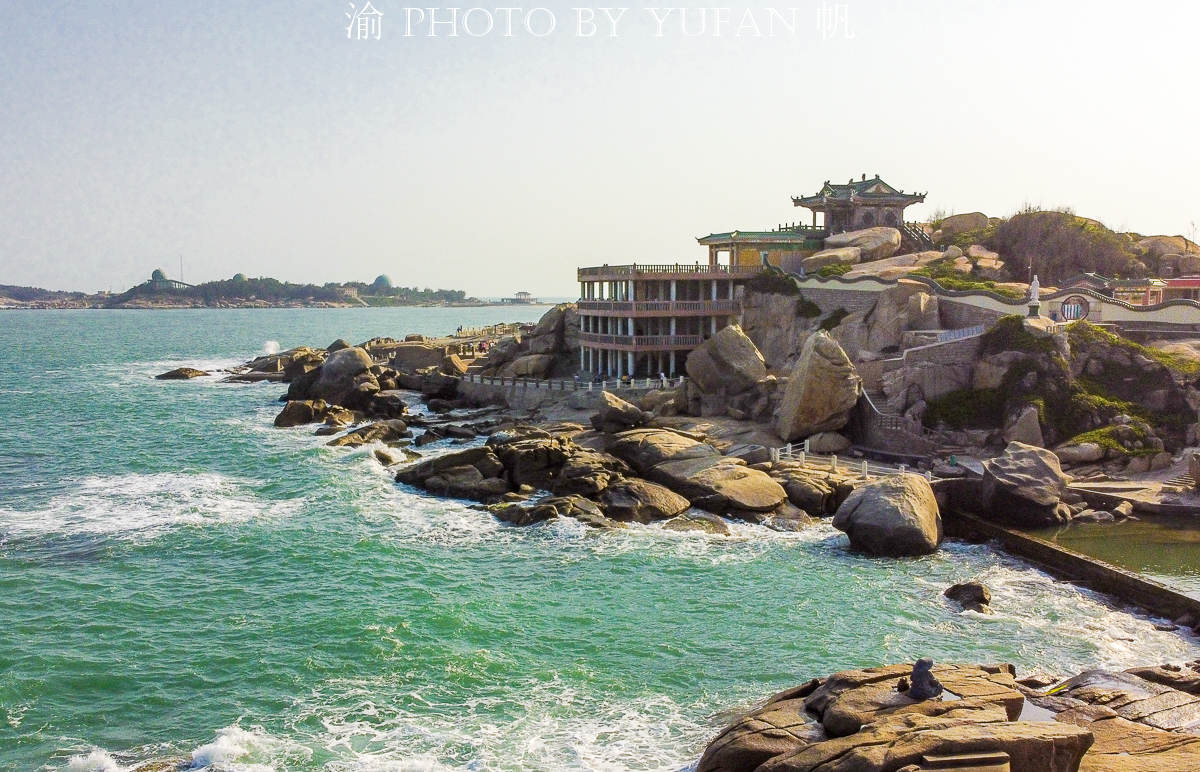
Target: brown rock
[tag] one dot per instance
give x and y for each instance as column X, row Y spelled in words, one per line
column 180, row 374
column 822, row 390
column 874, row 243
column 640, row 501
column 728, row 363
column 896, row 516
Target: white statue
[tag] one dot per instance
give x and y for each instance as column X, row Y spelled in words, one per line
column 1035, row 289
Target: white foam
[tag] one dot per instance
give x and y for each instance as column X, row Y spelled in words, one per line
column 96, row 761
column 271, row 347
column 144, row 504
column 241, row 750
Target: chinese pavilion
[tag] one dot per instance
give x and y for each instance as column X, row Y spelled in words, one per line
column 858, row 205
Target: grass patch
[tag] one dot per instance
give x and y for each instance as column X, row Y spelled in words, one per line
column 944, row 274
column 1082, row 333
column 837, row 269
column 967, row 409
column 1009, row 334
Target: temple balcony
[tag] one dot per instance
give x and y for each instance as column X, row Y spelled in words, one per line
column 640, row 343
column 648, row 308
column 665, row 272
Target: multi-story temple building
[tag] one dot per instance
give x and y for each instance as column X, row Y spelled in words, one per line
column 643, row 320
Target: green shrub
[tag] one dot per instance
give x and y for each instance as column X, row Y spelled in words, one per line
column 942, row 272
column 773, row 282
column 834, row 319
column 837, row 269
column 967, row 409
column 1009, row 334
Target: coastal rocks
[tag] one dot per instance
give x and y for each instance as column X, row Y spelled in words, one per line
column 615, row 414
column 448, row 475
column 697, row 471
column 972, row 596
column 300, row 412
column 1079, row 453
column 828, row 442
column 894, row 267
column 813, row 492
column 588, row 473
column 531, row 460
column 959, row 223
column 1134, row 699
column 640, row 501
column 773, row 321
column 411, row 357
column 380, row 431
column 893, row 517
column 821, row 392
column 1025, row 427
column 1023, row 486
column 728, row 363
column 863, row 721
column 534, row 366
column 828, row 257
column 873, row 243
column 340, row 376
column 180, row 374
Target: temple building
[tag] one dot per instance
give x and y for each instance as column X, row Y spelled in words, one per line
column 643, row 320
column 858, row 205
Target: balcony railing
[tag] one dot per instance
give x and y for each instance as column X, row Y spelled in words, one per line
column 663, row 306
column 716, row 271
column 642, row 341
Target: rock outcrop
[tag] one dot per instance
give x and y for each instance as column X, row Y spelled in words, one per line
column 828, row 257
column 181, row 374
column 1023, row 487
column 820, row 393
column 895, row 516
column 863, row 720
column 697, row 471
column 727, row 363
column 959, row 223
column 873, row 243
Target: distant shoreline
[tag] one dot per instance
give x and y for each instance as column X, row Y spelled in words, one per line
column 67, row 306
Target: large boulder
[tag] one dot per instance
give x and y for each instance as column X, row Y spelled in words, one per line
column 641, row 501
column 959, row 223
column 588, row 473
column 894, row 267
column 1156, row 247
column 772, row 321
column 1025, row 427
column 697, row 471
column 873, row 243
column 411, row 357
column 728, row 362
column 530, row 366
column 301, row 411
column 613, row 410
column 340, row 374
column 472, row 474
column 896, row 516
column 821, row 392
column 1023, row 486
column 828, row 257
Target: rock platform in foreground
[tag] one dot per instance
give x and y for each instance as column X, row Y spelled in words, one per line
column 864, row 721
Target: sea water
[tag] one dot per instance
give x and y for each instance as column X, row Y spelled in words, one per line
column 181, row 580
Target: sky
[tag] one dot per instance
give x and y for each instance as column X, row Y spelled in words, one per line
column 269, row 139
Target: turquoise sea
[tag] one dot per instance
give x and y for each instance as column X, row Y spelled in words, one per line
column 180, row 580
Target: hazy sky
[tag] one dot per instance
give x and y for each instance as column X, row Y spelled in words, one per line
column 256, row 137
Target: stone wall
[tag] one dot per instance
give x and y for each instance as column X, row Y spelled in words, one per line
column 953, row 352
column 955, row 314
column 830, row 299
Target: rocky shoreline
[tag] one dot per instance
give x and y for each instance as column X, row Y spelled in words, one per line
column 668, row 456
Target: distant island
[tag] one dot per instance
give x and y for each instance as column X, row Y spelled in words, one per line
column 241, row 292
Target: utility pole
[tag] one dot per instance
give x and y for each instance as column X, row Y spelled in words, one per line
column 181, row 267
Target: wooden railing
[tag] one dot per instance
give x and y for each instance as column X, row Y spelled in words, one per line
column 673, row 341
column 864, row 469
column 663, row 306
column 577, row 384
column 737, row 271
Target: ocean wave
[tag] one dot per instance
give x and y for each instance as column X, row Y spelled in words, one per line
column 143, row 505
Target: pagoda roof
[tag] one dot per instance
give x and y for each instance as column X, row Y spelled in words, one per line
column 759, row 237
column 865, row 191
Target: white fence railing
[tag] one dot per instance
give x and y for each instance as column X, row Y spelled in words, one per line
column 965, row 332
column 563, row 384
column 864, row 469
